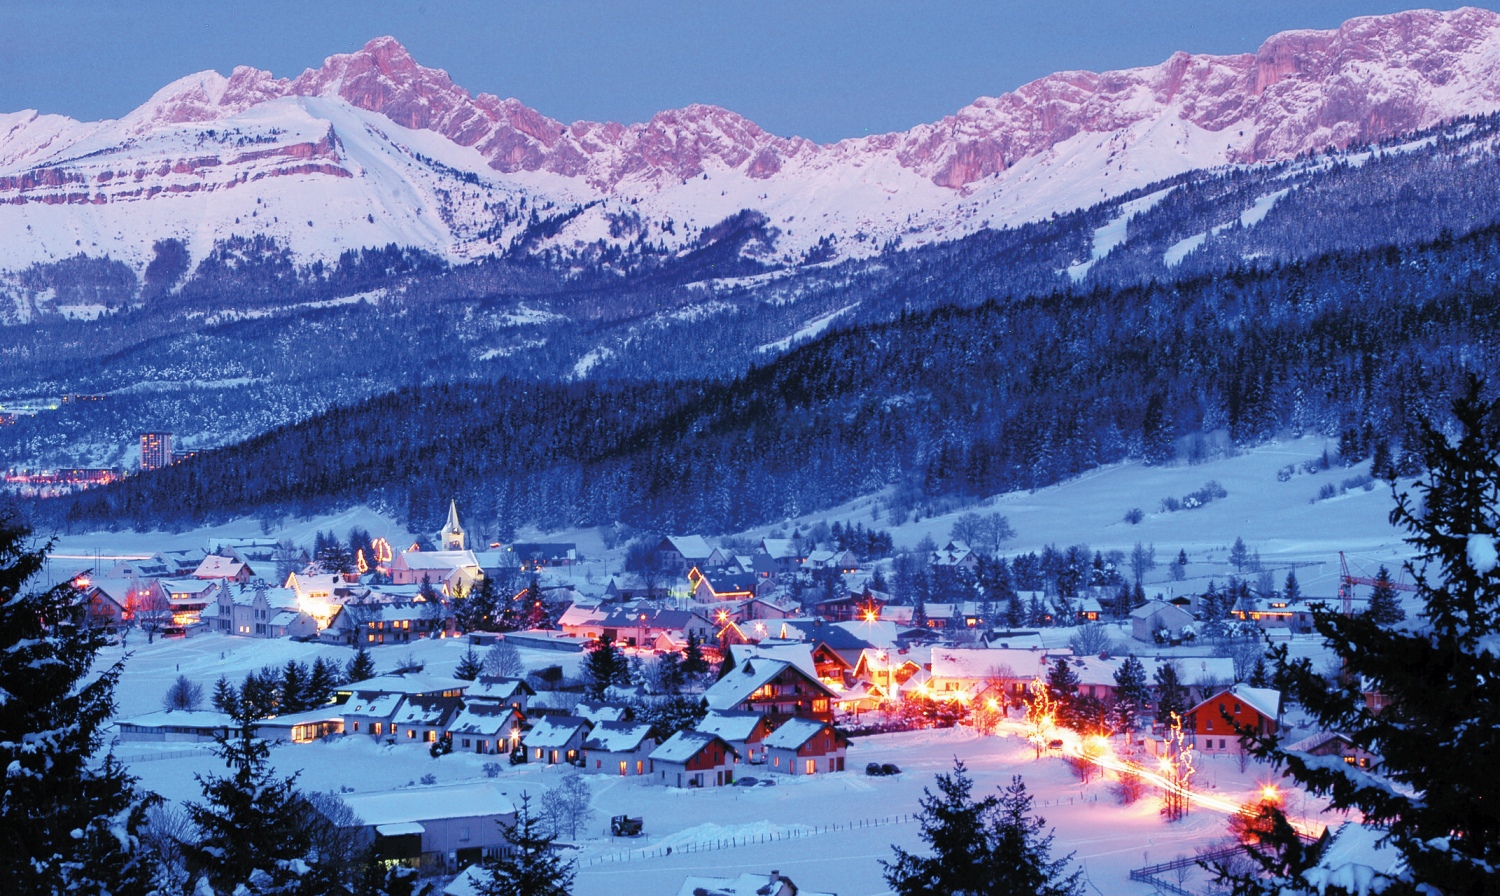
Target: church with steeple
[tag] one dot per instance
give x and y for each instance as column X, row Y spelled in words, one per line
column 451, row 536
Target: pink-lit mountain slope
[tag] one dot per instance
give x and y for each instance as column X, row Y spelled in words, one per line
column 373, row 148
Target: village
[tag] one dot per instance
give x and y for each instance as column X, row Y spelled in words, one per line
column 701, row 669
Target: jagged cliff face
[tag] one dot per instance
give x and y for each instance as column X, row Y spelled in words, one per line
column 374, row 147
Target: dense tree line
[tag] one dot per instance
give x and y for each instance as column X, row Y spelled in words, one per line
column 951, row 402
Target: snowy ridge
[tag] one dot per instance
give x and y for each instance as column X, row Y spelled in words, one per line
column 373, row 148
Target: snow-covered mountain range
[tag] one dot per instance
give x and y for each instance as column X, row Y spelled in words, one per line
column 372, row 148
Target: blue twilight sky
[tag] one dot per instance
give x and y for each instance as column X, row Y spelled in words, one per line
column 823, row 69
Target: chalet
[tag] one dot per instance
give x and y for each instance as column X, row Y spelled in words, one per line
column 1334, row 743
column 963, row 673
column 253, row 550
column 843, row 561
column 1274, row 612
column 693, row 759
column 423, row 719
column 320, row 595
column 1087, row 609
column 512, row 692
column 1216, row 721
column 447, row 571
column 437, row 829
column 112, row 601
column 773, row 688
column 744, row 731
column 370, row 705
column 483, row 726
column 556, row 739
column 783, row 554
column 886, row 669
column 149, row 568
column 257, row 612
column 680, row 553
column 851, row 608
column 806, row 747
column 622, row 748
column 717, row 587
column 372, row 624
column 626, row 587
column 217, row 567
column 185, row 599
column 642, row 627
column 536, row 556
column 955, row 555
column 1154, row 616
column 767, row 607
column 583, row 620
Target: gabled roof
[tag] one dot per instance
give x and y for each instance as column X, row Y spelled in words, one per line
column 617, row 737
column 779, row 548
column 484, row 719
column 216, row 567
column 671, row 620
column 684, row 745
column 793, row 733
column 691, row 547
column 732, row 725
column 1266, row 701
column 1152, row 607
column 430, row 711
column 742, row 681
column 491, row 688
column 437, row 560
column 555, row 731
column 117, row 590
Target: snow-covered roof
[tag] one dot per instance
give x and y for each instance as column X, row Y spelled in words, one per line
column 1152, row 607
column 180, row 718
column 779, row 548
column 117, row 590
column 555, row 731
column 691, row 547
column 617, row 737
column 747, row 675
column 419, row 804
column 684, row 745
column 438, row 560
column 578, row 614
column 488, row 688
column 793, row 733
column 798, row 654
column 216, row 567
column 1355, row 862
column 410, row 683
column 428, row 711
column 596, row 711
column 732, row 725
column 483, row 719
column 744, row 885
column 986, row 662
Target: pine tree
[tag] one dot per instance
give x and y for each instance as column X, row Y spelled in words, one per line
column 601, row 668
column 1435, row 735
column 477, row 610
column 362, row 666
column 1021, row 855
column 1131, row 693
column 1171, row 696
column 1062, row 685
column 68, row 825
column 295, row 677
column 953, row 827
column 226, row 698
column 1384, row 608
column 325, row 676
column 693, row 662
column 986, row 847
column 470, row 666
column 1239, row 555
column 254, row 829
column 1291, row 592
column 529, row 867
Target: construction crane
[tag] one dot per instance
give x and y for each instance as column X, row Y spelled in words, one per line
column 1347, row 581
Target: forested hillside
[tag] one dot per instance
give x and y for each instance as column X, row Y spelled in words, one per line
column 959, row 401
